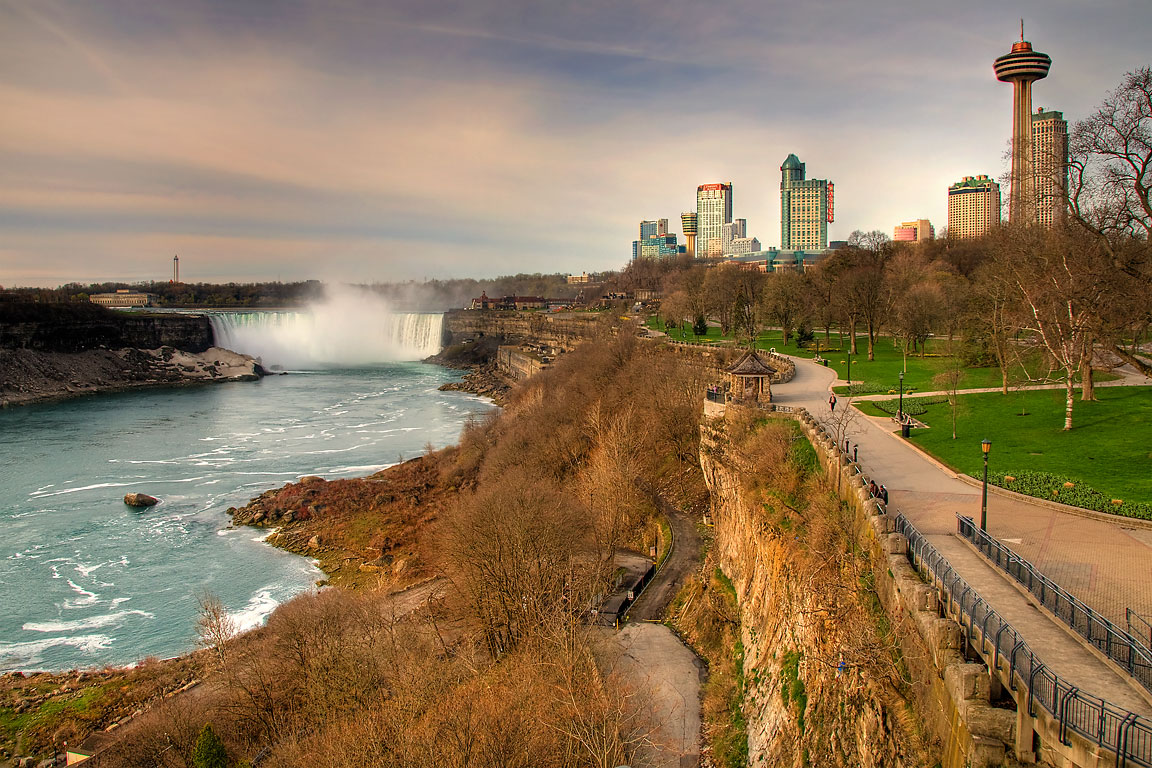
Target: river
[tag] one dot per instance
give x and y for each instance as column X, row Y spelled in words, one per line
column 88, row 581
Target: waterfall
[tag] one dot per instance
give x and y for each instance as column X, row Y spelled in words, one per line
column 330, row 335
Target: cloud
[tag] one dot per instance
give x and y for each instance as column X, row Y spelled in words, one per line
column 424, row 136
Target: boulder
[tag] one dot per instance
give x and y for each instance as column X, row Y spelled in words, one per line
column 140, row 500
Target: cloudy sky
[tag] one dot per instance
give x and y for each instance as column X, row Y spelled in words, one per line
column 401, row 139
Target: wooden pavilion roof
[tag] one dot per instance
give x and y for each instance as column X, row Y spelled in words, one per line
column 750, row 365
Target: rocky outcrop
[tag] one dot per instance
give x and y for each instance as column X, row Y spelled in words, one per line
column 484, row 380
column 28, row 375
column 140, row 500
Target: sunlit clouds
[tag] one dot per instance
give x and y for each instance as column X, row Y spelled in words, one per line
column 383, row 141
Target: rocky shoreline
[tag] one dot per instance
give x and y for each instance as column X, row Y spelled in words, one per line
column 483, row 380
column 34, row 376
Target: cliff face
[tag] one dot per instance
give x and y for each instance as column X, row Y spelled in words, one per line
column 825, row 684
column 564, row 330
column 79, row 327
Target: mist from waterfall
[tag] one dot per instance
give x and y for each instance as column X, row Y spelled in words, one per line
column 347, row 328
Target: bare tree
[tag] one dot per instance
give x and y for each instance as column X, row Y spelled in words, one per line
column 1110, row 194
column 783, row 301
column 1056, row 274
column 216, row 627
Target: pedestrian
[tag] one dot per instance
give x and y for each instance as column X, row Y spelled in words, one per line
column 832, row 403
column 872, row 489
column 884, row 495
column 846, row 441
column 856, row 453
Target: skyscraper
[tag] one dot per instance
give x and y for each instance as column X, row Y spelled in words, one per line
column 713, row 211
column 733, row 230
column 688, row 224
column 1022, row 66
column 1049, row 166
column 914, row 231
column 656, row 228
column 805, row 208
column 973, row 206
column 654, row 242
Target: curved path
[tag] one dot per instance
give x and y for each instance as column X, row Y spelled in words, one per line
column 1106, row 564
column 685, row 556
column 654, row 660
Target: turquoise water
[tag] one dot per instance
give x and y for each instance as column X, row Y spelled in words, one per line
column 86, row 580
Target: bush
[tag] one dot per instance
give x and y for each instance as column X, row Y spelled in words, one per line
column 1067, row 490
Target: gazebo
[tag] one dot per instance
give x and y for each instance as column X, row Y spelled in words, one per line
column 750, row 378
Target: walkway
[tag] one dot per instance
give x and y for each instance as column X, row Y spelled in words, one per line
column 1108, row 565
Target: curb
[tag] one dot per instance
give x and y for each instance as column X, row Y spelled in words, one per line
column 1091, row 514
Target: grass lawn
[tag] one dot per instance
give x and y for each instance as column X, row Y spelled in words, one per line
column 1108, row 448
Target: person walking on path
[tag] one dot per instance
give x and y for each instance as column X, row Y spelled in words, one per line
column 832, row 403
column 884, row 495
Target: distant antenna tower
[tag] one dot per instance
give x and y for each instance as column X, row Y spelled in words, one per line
column 175, row 269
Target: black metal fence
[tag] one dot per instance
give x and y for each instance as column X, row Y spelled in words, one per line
column 1139, row 627
column 1114, row 642
column 1109, row 726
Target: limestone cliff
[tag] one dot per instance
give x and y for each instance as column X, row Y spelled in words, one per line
column 825, row 681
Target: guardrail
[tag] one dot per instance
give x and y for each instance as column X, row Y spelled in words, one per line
column 1114, row 642
column 1111, row 727
column 1138, row 626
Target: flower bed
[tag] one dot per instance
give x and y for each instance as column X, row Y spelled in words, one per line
column 1067, row 490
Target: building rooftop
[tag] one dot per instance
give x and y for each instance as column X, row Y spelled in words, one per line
column 792, row 163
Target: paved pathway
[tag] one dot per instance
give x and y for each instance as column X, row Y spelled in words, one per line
column 653, row 660
column 1106, row 564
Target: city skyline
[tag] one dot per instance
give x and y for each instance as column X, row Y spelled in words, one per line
column 269, row 142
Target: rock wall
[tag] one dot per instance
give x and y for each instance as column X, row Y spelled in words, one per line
column 806, row 701
column 948, row 717
column 564, row 330
column 80, row 327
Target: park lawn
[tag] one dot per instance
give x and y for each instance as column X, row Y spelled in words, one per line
column 1108, row 447
column 685, row 334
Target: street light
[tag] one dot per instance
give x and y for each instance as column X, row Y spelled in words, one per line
column 900, row 411
column 985, row 446
column 849, row 369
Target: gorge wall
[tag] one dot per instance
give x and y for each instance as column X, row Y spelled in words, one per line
column 80, row 327
column 825, row 684
column 563, row 330
column 831, row 609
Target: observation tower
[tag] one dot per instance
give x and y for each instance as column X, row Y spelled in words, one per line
column 688, row 223
column 1022, row 66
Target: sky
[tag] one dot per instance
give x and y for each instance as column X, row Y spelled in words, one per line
column 379, row 140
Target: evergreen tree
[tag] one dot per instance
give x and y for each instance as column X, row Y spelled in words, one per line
column 209, row 750
column 700, row 327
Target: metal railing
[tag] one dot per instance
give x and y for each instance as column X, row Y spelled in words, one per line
column 1114, row 642
column 1111, row 727
column 1139, row 627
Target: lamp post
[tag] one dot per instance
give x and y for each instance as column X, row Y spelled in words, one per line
column 985, row 446
column 900, row 410
column 849, row 369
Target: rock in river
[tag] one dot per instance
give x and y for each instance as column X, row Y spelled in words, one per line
column 140, row 500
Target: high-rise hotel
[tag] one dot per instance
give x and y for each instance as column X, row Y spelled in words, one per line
column 713, row 211
column 1049, row 166
column 805, row 208
column 973, row 206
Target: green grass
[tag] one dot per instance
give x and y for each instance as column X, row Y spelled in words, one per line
column 1108, row 448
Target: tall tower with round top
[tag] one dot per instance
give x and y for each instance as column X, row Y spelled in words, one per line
column 1022, row 66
